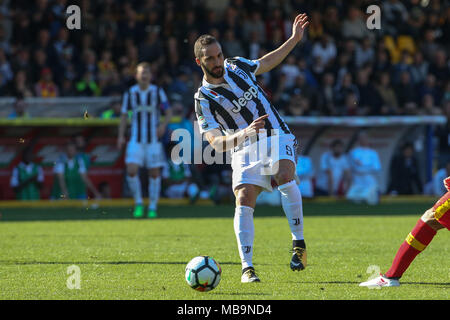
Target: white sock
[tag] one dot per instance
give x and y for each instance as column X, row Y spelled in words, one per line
column 291, row 200
column 154, row 188
column 245, row 233
column 135, row 186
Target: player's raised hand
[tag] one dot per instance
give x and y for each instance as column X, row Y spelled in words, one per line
column 256, row 125
column 299, row 26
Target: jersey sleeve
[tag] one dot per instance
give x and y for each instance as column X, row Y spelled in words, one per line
column 125, row 102
column 252, row 65
column 205, row 118
column 164, row 102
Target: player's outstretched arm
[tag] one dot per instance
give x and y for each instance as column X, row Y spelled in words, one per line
column 222, row 143
column 274, row 58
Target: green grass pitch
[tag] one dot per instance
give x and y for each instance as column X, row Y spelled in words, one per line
column 122, row 258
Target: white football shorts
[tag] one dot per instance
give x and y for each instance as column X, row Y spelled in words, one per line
column 150, row 155
column 258, row 162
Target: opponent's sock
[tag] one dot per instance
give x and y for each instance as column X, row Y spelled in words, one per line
column 135, row 186
column 291, row 201
column 416, row 241
column 154, row 188
column 245, row 232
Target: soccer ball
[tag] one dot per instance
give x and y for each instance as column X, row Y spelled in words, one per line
column 203, row 273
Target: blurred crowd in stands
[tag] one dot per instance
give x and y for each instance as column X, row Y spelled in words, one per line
column 341, row 67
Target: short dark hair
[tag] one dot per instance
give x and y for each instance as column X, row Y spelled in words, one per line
column 203, row 41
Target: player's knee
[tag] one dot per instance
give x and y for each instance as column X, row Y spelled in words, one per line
column 131, row 171
column 283, row 176
column 245, row 197
column 429, row 218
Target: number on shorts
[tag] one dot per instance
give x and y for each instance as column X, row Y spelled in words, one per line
column 288, row 151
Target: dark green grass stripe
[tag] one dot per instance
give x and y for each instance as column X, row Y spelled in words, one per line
column 221, row 211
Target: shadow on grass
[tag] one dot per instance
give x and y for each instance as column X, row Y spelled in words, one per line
column 445, row 284
column 5, row 262
column 239, row 293
column 220, row 211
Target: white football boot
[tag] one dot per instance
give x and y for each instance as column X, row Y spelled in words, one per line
column 249, row 275
column 380, row 282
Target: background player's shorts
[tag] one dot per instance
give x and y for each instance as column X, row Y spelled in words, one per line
column 442, row 210
column 257, row 163
column 145, row 154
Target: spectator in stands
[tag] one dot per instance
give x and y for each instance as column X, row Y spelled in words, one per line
column 5, row 68
column 404, row 172
column 388, row 96
column 19, row 109
column 325, row 49
column 71, row 180
column 354, row 26
column 19, row 86
column 364, row 53
column 440, row 67
column 419, row 68
column 428, row 106
column 364, row 167
column 440, row 175
column 327, row 95
column 87, row 86
column 429, row 87
column 39, row 33
column 27, row 178
column 334, row 172
column 395, row 14
column 114, row 112
column 290, row 70
column 231, row 46
column 343, row 89
column 46, row 88
column 406, row 92
column 369, row 99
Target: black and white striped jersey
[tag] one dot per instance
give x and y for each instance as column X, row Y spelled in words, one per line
column 147, row 106
column 233, row 105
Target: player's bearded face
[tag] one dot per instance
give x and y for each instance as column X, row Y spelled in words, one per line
column 216, row 71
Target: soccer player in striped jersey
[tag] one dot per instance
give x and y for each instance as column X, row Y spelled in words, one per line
column 148, row 102
column 233, row 111
column 434, row 219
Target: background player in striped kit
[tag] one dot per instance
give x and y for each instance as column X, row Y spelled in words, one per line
column 231, row 102
column 147, row 101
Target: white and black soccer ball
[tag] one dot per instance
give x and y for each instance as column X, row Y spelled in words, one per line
column 203, row 273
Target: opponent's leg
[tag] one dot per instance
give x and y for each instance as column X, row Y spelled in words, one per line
column 417, row 240
column 291, row 200
column 135, row 186
column 244, row 229
column 154, row 189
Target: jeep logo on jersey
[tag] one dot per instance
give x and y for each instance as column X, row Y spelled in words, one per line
column 248, row 95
